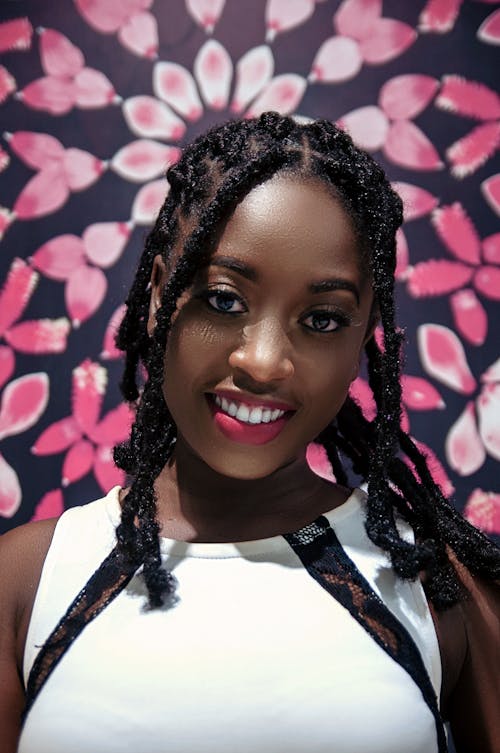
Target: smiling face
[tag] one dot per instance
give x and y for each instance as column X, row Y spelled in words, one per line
column 268, row 339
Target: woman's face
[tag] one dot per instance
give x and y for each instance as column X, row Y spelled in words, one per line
column 268, row 339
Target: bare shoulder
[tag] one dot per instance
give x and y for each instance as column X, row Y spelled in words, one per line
column 22, row 554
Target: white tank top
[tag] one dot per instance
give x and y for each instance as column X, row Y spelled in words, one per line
column 255, row 656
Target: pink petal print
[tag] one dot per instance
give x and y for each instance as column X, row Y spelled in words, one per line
column 487, row 282
column 419, row 394
column 174, row 85
column 387, row 40
column 43, row 194
column 23, row 402
column 437, row 277
column 15, row 35
column 492, row 373
column 104, row 242
column 355, row 18
column 140, row 35
column 253, row 72
column 84, row 293
column 469, row 316
column 406, row 96
column 206, row 12
column 361, row 393
column 283, row 94
column 408, row 146
column 10, row 490
column 338, row 59
column 150, row 118
column 463, row 447
column 53, row 95
column 402, row 256
column 6, row 219
column 454, row 227
column 436, row 468
column 470, row 98
column 488, row 409
column 367, row 126
column 59, row 56
column 483, row 511
column 50, row 506
column 282, row 15
column 106, row 473
column 78, row 462
column 143, row 160
column 491, row 191
column 4, row 160
column 491, row 248
column 89, row 386
column 16, row 292
column 105, row 16
column 57, row 437
column 92, row 88
column 439, row 15
column 114, row 427
column 489, row 31
column 469, row 153
column 109, row 349
column 7, row 84
column 7, row 364
column 37, row 150
column 318, row 462
column 443, row 357
column 59, row 257
column 40, row 336
column 81, row 169
column 417, row 202
column 148, row 201
column 213, row 70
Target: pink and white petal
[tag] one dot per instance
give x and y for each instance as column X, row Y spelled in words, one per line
column 149, row 118
column 109, row 350
column 89, row 381
column 387, row 40
column 143, row 160
column 174, row 85
column 436, row 469
column 469, row 98
column 140, row 35
column 148, row 201
column 402, row 256
column 443, row 357
column 92, row 88
column 489, row 31
column 487, row 282
column 16, row 292
column 491, row 248
column 213, row 70
column 469, row 153
column 253, row 72
column 282, row 15
column 469, row 316
column 6, row 219
column 104, row 242
column 419, row 394
column 205, row 12
column 59, row 257
column 318, row 462
column 488, row 409
column 368, row 127
column 37, row 150
column 283, row 94
column 57, row 437
column 355, row 18
column 7, row 84
column 463, row 447
column 360, row 391
column 105, row 16
column 417, row 202
column 85, row 291
column 439, row 16
column 51, row 505
column 105, row 471
column 43, row 194
column 78, row 462
column 23, row 402
column 492, row 373
column 408, row 146
column 482, row 509
column 15, row 35
column 58, row 55
column 406, row 96
column 114, row 427
column 7, row 363
column 4, row 159
column 53, row 95
column 437, row 277
column 81, row 169
column 39, row 336
column 490, row 189
column 10, row 490
column 455, row 228
column 338, row 59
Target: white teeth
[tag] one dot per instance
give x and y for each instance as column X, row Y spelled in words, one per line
column 233, row 409
column 266, row 416
column 255, row 416
column 248, row 414
column 243, row 413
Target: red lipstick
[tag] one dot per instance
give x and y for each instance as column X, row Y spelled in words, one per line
column 248, row 433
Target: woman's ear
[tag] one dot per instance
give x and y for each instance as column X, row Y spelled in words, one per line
column 158, row 280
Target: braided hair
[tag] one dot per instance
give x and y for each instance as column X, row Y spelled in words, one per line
column 213, row 175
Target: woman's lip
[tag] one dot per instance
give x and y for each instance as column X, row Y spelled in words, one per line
column 246, row 399
column 243, row 433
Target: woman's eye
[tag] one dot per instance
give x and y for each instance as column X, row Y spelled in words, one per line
column 322, row 321
column 226, row 303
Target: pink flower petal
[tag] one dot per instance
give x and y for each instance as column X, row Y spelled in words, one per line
column 43, row 194
column 406, row 96
column 454, row 227
column 148, row 201
column 205, row 12
column 361, row 393
column 338, row 59
column 491, row 248
column 387, row 40
column 483, row 511
column 355, row 18
column 39, row 336
column 283, row 94
column 16, row 292
column 23, row 402
column 7, row 84
column 469, row 316
column 402, row 256
column 368, row 127
column 253, row 72
column 489, row 31
column 282, row 15
column 4, row 160
column 417, row 202
column 59, row 257
column 89, row 386
column 105, row 16
column 174, row 85
column 436, row 468
column 439, row 15
column 81, row 169
column 143, row 160
column 7, row 364
column 6, row 220
column 470, row 98
column 419, row 394
column 443, row 357
column 57, row 437
column 492, row 373
column 437, row 277
column 15, row 35
column 114, row 427
column 469, row 153
column 140, row 35
column 59, row 56
column 78, row 462
column 10, row 490
column 109, row 349
column 488, row 409
column 53, row 95
column 92, row 88
column 37, row 150
column 491, row 192
column 104, row 242
column 106, row 473
column 213, row 70
column 150, row 118
column 318, row 462
column 463, row 447
column 408, row 146
column 487, row 282
column 50, row 506
column 84, row 293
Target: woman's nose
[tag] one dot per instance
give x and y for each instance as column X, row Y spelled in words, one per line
column 264, row 352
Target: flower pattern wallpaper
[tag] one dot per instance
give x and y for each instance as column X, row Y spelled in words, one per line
column 96, row 99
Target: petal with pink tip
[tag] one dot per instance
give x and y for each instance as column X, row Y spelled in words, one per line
column 6, row 219
column 103, row 15
column 205, row 12
column 408, row 146
column 51, row 505
column 85, row 291
column 491, row 248
column 81, row 169
column 23, row 402
column 436, row 468
column 355, row 18
column 15, row 35
column 387, row 40
column 492, row 373
column 105, row 471
column 92, row 88
column 174, row 85
column 89, row 386
column 114, row 427
column 57, row 437
column 253, row 72
column 59, row 257
column 282, row 15
column 417, row 202
column 488, row 409
column 469, row 316
column 439, row 15
column 143, row 160
column 318, row 462
column 489, row 31
column 109, row 349
column 483, row 511
column 37, row 150
column 367, row 126
column 406, row 96
column 16, row 292
column 43, row 194
column 10, row 490
column 7, row 84
column 148, row 201
column 53, row 95
column 150, row 118
column 487, row 282
column 402, row 256
column 469, row 98
column 468, row 154
column 4, row 160
column 443, row 357
column 437, row 277
column 491, row 191
column 104, row 242
column 39, row 336
column 463, row 447
column 454, row 227
column 59, row 56
column 78, row 462
column 419, row 394
column 7, row 363
column 338, row 59
column 282, row 94
column 361, row 393
column 213, row 70
column 140, row 35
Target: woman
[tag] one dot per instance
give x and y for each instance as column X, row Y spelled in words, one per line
column 285, row 612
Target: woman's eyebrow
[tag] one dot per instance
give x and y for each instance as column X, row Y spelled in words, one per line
column 229, row 262
column 335, row 283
